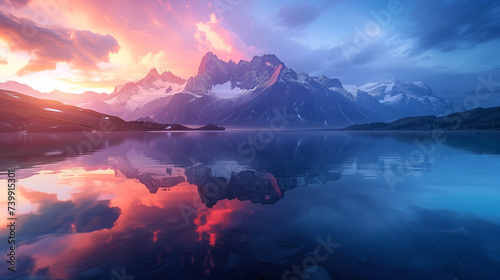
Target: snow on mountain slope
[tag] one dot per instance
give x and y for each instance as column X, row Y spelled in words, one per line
column 147, row 95
column 392, row 99
column 225, row 91
column 352, row 89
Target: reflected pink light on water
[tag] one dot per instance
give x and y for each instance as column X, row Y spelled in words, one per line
column 139, row 210
column 155, row 235
column 211, row 221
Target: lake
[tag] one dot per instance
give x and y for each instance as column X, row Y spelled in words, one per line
column 254, row 205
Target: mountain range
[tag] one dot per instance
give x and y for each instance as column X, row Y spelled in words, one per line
column 251, row 94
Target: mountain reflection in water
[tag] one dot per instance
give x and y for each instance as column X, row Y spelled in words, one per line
column 194, row 206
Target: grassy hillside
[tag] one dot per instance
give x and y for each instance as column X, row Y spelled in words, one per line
column 19, row 112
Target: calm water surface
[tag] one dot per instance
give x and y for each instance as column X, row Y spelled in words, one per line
column 304, row 205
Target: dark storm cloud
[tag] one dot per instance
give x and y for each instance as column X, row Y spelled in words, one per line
column 301, row 13
column 48, row 46
column 452, row 25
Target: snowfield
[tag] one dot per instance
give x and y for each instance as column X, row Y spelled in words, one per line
column 144, row 96
column 352, row 89
column 388, row 99
column 158, row 90
column 224, row 91
column 52, row 110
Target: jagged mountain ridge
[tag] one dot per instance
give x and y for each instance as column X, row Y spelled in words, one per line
column 259, row 88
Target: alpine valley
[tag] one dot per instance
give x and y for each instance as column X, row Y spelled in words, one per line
column 250, row 94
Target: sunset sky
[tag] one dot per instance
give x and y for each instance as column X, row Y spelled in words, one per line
column 78, row 45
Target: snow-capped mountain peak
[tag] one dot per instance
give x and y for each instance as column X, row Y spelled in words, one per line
column 133, row 96
column 152, row 76
column 415, row 98
column 153, row 73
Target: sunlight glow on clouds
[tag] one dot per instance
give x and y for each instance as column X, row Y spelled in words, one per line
column 219, row 38
column 210, row 36
column 47, row 47
column 105, row 43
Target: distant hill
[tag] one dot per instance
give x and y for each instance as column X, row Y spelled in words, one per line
column 412, row 98
column 475, row 119
column 19, row 112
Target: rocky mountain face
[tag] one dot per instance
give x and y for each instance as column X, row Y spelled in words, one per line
column 259, row 93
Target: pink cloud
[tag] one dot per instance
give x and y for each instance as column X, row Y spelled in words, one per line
column 93, row 47
column 49, row 46
column 16, row 3
column 169, row 27
column 218, row 37
column 144, row 27
column 211, row 35
column 165, row 4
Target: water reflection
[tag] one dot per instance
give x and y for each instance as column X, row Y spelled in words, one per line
column 190, row 206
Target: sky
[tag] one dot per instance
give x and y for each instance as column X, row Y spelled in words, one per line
column 78, row 45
